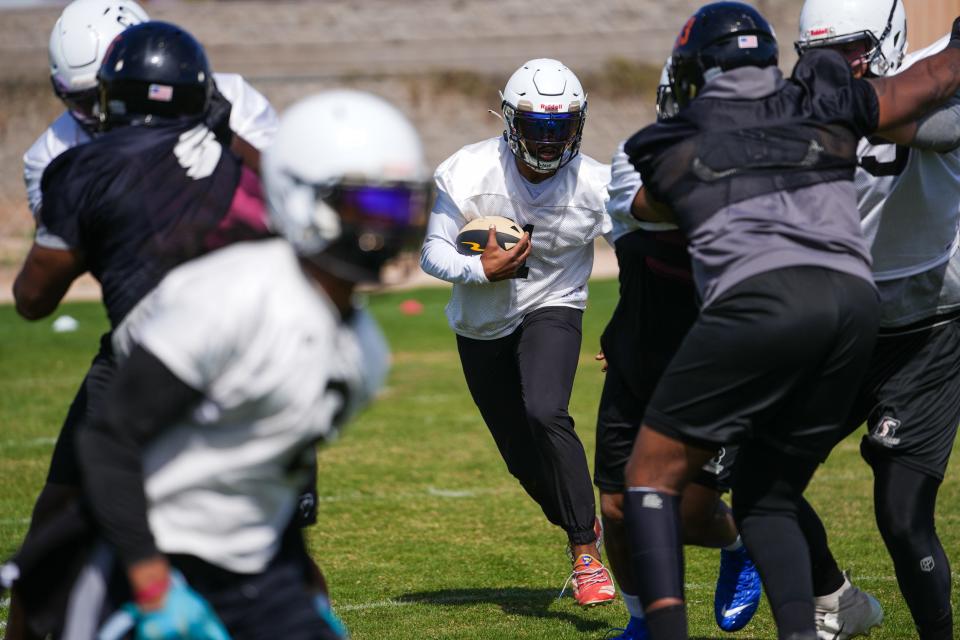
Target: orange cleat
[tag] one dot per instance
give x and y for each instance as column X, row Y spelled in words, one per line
column 592, row 584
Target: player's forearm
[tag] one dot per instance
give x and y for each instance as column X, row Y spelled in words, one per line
column 146, row 400
column 921, row 88
column 646, row 209
column 113, row 483
column 441, row 260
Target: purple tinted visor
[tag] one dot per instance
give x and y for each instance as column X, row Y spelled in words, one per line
column 391, row 205
column 547, row 127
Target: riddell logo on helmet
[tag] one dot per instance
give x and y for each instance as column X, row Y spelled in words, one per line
column 824, row 31
column 551, row 107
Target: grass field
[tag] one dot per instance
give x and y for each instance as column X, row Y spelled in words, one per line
column 422, row 533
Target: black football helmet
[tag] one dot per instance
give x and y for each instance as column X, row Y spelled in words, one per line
column 153, row 71
column 719, row 37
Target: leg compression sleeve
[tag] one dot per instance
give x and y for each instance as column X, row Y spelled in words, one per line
column 653, row 525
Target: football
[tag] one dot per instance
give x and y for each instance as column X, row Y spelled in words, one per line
column 472, row 238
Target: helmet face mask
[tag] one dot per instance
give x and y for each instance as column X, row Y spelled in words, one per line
column 377, row 222
column 544, row 109
column 546, row 141
column 879, row 24
column 82, row 105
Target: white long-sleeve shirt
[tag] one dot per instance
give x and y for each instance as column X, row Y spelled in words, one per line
column 625, row 182
column 568, row 211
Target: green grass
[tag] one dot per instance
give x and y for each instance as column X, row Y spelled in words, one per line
column 422, row 533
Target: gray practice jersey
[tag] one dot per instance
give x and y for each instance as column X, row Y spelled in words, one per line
column 909, row 200
column 704, row 165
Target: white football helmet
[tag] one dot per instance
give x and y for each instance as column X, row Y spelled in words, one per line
column 883, row 23
column 347, row 182
column 544, row 107
column 78, row 43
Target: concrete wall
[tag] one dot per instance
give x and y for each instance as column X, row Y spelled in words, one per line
column 440, row 61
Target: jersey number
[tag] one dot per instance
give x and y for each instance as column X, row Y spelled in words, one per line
column 894, row 167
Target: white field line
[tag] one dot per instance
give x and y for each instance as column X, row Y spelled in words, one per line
column 508, row 595
column 29, row 442
column 4, row 521
column 436, row 492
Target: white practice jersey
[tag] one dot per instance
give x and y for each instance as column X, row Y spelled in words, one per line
column 251, row 117
column 909, row 201
column 625, row 182
column 279, row 371
column 568, row 212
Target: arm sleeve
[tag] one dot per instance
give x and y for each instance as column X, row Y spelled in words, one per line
column 439, row 256
column 35, row 160
column 836, row 96
column 624, row 183
column 147, row 398
column 252, row 117
column 940, row 131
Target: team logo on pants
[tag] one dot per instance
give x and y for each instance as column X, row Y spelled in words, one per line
column 927, row 564
column 886, row 432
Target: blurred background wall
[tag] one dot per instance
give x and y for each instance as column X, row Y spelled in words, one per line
column 441, row 61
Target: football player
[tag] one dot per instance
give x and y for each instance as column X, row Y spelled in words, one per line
column 908, row 193
column 519, row 337
column 758, row 171
column 657, row 307
column 241, row 362
column 78, row 42
column 156, row 188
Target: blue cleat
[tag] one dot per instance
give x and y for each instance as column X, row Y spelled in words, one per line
column 738, row 590
column 636, row 630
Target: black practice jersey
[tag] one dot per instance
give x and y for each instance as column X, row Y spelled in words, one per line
column 137, row 201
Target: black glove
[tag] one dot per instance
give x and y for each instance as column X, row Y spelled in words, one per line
column 523, row 270
column 955, row 35
column 217, row 117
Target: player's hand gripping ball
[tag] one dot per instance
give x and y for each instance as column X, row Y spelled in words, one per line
column 472, row 238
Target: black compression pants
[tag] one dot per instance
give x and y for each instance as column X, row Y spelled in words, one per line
column 904, row 502
column 521, row 383
column 767, row 493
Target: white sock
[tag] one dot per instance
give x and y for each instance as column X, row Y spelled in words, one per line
column 733, row 546
column 633, row 604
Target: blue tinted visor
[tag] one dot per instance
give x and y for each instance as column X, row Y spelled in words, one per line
column 547, row 127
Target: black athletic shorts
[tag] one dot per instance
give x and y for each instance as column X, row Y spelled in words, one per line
column 910, row 398
column 618, row 421
column 90, row 397
column 657, row 307
column 779, row 357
